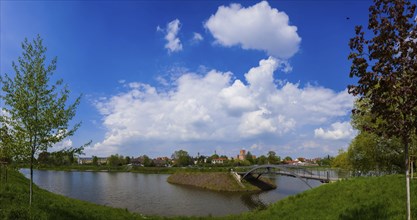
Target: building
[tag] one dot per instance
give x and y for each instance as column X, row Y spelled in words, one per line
column 89, row 160
column 241, row 155
column 161, row 161
column 218, row 161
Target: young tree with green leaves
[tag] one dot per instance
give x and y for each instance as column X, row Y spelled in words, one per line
column 386, row 67
column 38, row 112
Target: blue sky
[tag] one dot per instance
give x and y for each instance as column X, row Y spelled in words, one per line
column 203, row 76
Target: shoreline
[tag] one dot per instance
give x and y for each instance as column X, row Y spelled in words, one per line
column 220, row 181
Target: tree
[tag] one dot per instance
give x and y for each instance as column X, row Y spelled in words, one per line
column 95, row 160
column 181, row 158
column 147, row 162
column 273, row 158
column 370, row 151
column 6, row 145
column 287, row 158
column 341, row 160
column 116, row 160
column 43, row 158
column 262, row 160
column 326, row 161
column 37, row 114
column 249, row 157
column 386, row 68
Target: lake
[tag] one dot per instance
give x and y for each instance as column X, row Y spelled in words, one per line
column 151, row 194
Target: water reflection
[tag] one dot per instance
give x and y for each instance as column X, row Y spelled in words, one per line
column 253, row 201
column 150, row 194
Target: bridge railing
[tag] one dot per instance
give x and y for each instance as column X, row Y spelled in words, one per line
column 319, row 173
column 329, row 173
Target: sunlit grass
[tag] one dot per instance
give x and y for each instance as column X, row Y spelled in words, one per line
column 359, row 198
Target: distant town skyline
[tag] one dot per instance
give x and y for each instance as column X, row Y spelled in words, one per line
column 204, row 76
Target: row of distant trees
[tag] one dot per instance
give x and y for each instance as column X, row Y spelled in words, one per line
column 179, row 158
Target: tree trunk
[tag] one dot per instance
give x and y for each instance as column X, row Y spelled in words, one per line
column 407, row 179
column 31, row 179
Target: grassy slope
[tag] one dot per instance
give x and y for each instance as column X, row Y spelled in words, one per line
column 362, row 198
column 14, row 200
column 218, row 181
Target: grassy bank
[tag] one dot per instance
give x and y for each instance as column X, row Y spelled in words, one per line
column 14, row 204
column 218, row 181
column 359, row 198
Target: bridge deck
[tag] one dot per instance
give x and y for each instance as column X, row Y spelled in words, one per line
column 321, row 178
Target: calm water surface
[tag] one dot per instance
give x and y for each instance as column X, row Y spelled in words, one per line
column 151, row 194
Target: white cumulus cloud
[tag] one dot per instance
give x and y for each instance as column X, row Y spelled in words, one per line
column 338, row 130
column 173, row 42
column 203, row 112
column 258, row 27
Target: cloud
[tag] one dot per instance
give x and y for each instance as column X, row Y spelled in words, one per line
column 197, row 37
column 66, row 143
column 339, row 130
column 173, row 42
column 203, row 112
column 258, row 27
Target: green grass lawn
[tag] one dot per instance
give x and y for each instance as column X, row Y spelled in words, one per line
column 359, row 198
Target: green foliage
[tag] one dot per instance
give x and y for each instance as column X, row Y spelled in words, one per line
column 325, row 161
column 95, row 160
column 147, row 162
column 59, row 158
column 249, row 157
column 369, row 152
column 341, row 160
column 116, row 160
column 181, row 158
column 37, row 114
column 262, row 160
column 6, row 144
column 127, row 160
column 273, row 158
column 386, row 67
column 287, row 158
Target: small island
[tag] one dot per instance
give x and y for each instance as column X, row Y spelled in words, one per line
column 220, row 181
